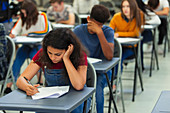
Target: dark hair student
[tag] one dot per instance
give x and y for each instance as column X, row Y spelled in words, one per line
column 61, row 51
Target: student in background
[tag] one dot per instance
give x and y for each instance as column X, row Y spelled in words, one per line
column 127, row 23
column 84, row 6
column 31, row 23
column 3, row 52
column 5, row 16
column 64, row 57
column 60, row 12
column 161, row 8
column 99, row 40
column 150, row 18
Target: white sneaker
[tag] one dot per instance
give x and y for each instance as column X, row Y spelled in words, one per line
column 160, row 49
column 149, row 48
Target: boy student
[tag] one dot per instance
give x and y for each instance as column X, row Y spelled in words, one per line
column 60, row 12
column 99, row 40
column 161, row 8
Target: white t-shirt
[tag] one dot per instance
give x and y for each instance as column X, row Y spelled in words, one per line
column 152, row 18
column 162, row 4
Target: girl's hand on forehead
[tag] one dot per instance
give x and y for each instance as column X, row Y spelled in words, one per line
column 68, row 51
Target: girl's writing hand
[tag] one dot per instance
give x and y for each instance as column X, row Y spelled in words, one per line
column 68, row 52
column 116, row 35
column 12, row 35
column 31, row 90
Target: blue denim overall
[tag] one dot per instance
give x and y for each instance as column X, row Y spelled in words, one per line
column 54, row 77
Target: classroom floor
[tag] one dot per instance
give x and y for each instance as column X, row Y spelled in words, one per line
column 144, row 101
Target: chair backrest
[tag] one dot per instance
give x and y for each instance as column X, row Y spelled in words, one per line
column 91, row 82
column 77, row 19
column 118, row 53
column 91, row 76
column 10, row 50
column 10, row 58
column 117, row 48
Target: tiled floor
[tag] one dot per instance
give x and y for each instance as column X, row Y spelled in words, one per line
column 144, row 101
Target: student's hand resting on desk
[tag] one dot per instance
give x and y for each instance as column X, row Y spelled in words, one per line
column 12, row 35
column 93, row 27
column 116, row 35
column 24, row 35
column 31, row 90
column 68, row 52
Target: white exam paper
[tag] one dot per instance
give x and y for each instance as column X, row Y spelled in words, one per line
column 93, row 60
column 50, row 92
column 26, row 39
column 126, row 40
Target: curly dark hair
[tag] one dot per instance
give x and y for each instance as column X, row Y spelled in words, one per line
column 32, row 14
column 61, row 38
column 100, row 13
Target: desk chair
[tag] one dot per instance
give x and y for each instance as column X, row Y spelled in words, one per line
column 118, row 80
column 138, row 69
column 118, row 53
column 91, row 82
column 10, row 57
column 77, row 19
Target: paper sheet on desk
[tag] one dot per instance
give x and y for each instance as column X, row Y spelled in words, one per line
column 125, row 40
column 50, row 92
column 93, row 60
column 27, row 39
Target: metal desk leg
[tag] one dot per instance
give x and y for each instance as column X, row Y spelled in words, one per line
column 111, row 94
column 155, row 53
column 85, row 106
column 166, row 40
column 164, row 54
column 137, row 69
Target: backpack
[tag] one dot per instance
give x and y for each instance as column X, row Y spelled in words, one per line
column 4, row 10
column 3, row 52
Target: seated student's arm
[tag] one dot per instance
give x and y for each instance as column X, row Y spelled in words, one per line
column 16, row 29
column 70, row 21
column 134, row 33
column 107, row 47
column 29, row 73
column 77, row 77
column 44, row 24
column 152, row 18
column 165, row 11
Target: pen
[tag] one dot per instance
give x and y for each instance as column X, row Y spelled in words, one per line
column 28, row 81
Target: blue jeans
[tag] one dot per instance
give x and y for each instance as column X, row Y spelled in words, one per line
column 101, row 84
column 54, row 77
column 126, row 52
column 23, row 52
